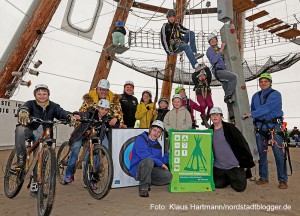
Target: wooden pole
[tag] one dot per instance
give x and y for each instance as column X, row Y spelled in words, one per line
column 39, row 21
column 106, row 58
column 171, row 60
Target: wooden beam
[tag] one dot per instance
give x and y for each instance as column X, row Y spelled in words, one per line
column 279, row 28
column 106, row 58
column 243, row 5
column 273, row 24
column 265, row 25
column 257, row 15
column 171, row 60
column 289, row 34
column 39, row 20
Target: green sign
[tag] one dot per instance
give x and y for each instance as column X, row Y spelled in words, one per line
column 191, row 161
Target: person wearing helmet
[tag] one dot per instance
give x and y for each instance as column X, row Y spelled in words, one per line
column 100, row 112
column 162, row 110
column 189, row 104
column 129, row 104
column 119, row 33
column 267, row 114
column 179, row 117
column 145, row 111
column 148, row 165
column 202, row 88
column 227, row 78
column 102, row 92
column 41, row 108
column 173, row 42
column 232, row 156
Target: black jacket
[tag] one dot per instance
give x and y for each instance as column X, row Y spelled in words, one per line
column 129, row 104
column 52, row 111
column 239, row 146
column 120, row 29
column 200, row 84
column 294, row 132
column 84, row 127
column 161, row 114
column 171, row 31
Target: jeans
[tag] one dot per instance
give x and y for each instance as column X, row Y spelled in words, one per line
column 279, row 154
column 207, row 102
column 228, row 80
column 21, row 134
column 74, row 156
column 188, row 49
column 296, row 140
column 148, row 174
column 118, row 38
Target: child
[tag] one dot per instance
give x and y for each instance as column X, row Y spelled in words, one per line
column 202, row 82
column 163, row 104
column 145, row 110
column 179, row 117
column 119, row 33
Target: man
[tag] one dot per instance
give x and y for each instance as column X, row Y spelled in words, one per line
column 102, row 92
column 232, row 155
column 129, row 104
column 173, row 42
column 147, row 164
column 227, row 79
column 190, row 105
column 267, row 114
column 295, row 134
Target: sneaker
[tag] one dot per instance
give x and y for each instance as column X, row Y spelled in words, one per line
column 68, row 179
column 200, row 67
column 144, row 193
column 282, row 185
column 262, row 181
column 93, row 186
column 228, row 100
column 20, row 162
column 198, row 55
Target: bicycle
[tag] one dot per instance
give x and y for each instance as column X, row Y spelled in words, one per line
column 40, row 153
column 98, row 174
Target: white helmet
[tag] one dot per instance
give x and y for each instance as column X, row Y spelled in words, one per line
column 104, row 84
column 158, row 123
column 41, row 86
column 104, row 103
column 147, row 91
column 211, row 36
column 215, row 110
column 128, row 82
column 176, row 96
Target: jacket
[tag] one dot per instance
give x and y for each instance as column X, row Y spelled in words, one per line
column 215, row 58
column 171, row 31
column 52, row 111
column 202, row 86
column 294, row 132
column 129, row 104
column 191, row 106
column 82, row 128
column 161, row 113
column 178, row 119
column 239, row 146
column 272, row 109
column 120, row 29
column 143, row 148
column 144, row 115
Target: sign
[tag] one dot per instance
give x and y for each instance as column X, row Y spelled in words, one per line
column 121, row 144
column 191, row 161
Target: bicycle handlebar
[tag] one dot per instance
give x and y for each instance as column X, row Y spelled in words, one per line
column 48, row 122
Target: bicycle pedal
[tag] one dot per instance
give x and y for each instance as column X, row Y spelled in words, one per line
column 34, row 187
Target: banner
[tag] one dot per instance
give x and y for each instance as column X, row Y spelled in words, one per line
column 191, row 161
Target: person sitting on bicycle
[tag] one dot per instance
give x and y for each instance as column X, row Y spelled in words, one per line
column 76, row 139
column 41, row 108
column 148, row 165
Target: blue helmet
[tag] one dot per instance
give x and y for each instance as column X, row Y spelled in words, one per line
column 119, row 23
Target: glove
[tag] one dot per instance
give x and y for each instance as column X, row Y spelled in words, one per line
column 171, row 53
column 71, row 120
column 147, row 107
column 23, row 117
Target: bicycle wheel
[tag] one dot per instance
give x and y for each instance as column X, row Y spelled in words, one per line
column 46, row 190
column 99, row 180
column 13, row 180
column 63, row 155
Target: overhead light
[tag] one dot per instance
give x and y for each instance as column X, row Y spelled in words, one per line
column 37, row 64
column 17, row 73
column 25, row 83
column 10, row 86
column 33, row 72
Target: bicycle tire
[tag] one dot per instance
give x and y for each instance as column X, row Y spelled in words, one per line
column 46, row 190
column 99, row 182
column 8, row 181
column 63, row 154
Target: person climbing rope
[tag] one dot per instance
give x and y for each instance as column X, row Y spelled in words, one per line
column 119, row 33
column 227, row 78
column 202, row 82
column 173, row 42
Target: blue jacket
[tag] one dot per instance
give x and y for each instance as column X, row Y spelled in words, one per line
column 270, row 110
column 215, row 59
column 142, row 150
